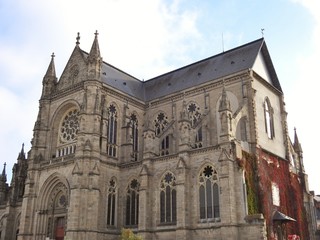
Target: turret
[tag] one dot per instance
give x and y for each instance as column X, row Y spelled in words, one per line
column 19, row 174
column 225, row 117
column 3, row 185
column 49, row 79
column 298, row 149
column 94, row 59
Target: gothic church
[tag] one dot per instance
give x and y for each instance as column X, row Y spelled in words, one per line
column 201, row 152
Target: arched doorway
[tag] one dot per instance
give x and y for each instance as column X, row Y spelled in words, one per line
column 57, row 209
column 53, row 204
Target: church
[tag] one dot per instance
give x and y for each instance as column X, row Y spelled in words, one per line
column 201, row 152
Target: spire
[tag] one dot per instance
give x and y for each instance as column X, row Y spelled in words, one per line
column 21, row 155
column 51, row 72
column 50, row 79
column 296, row 144
column 95, row 50
column 4, row 175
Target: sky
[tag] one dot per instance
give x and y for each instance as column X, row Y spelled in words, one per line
column 146, row 38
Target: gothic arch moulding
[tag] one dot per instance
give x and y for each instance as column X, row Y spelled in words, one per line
column 52, row 207
column 65, row 124
column 53, row 185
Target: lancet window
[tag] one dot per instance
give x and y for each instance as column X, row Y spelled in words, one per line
column 111, row 203
column 168, row 199
column 132, row 203
column 268, row 115
column 209, row 201
column 165, row 146
column 112, row 131
column 134, row 136
column 198, row 140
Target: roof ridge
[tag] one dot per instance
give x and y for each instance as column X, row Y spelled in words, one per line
column 205, row 59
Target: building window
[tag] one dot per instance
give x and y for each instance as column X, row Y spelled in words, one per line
column 132, row 203
column 194, row 113
column 198, row 140
column 134, row 136
column 111, row 203
column 160, row 123
column 209, row 193
column 168, row 199
column 68, row 133
column 275, row 194
column 112, row 131
column 165, row 146
column 268, row 115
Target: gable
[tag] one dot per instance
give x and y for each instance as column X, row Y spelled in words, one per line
column 261, row 68
column 75, row 70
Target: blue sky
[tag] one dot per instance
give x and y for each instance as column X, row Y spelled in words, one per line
column 149, row 37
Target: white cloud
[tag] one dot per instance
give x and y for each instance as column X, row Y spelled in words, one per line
column 303, row 110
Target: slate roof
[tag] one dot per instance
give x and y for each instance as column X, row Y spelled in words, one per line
column 209, row 69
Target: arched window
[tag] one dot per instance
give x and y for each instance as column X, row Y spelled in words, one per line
column 268, row 115
column 68, row 131
column 165, row 146
column 132, row 203
column 160, row 123
column 198, row 140
column 111, row 203
column 209, row 193
column 112, row 131
column 168, row 199
column 194, row 113
column 134, row 136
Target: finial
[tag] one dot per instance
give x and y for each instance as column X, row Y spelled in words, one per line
column 262, row 32
column 52, row 55
column 78, row 39
column 96, row 33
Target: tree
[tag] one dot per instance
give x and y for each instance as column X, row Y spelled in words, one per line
column 127, row 234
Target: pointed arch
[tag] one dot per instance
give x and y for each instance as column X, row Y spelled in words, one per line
column 132, row 203
column 168, row 198
column 134, row 135
column 112, row 129
column 112, row 197
column 53, row 202
column 268, row 117
column 65, row 125
column 161, row 122
column 209, row 194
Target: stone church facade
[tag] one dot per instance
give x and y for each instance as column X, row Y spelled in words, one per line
column 165, row 157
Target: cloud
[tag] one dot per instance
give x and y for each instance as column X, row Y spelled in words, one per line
column 304, row 94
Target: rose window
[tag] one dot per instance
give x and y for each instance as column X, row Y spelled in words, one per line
column 70, row 127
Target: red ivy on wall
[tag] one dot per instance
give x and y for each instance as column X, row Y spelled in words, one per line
column 263, row 170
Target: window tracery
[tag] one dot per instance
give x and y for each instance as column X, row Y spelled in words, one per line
column 112, row 131
column 194, row 113
column 160, row 123
column 134, row 136
column 198, row 139
column 209, row 193
column 111, row 203
column 168, row 199
column 68, row 131
column 165, row 146
column 132, row 203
